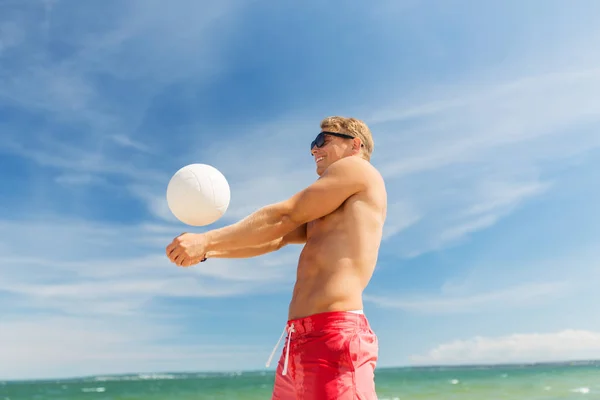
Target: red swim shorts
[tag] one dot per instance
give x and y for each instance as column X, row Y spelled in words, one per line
column 330, row 355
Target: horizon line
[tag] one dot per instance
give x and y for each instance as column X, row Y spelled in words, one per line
column 573, row 362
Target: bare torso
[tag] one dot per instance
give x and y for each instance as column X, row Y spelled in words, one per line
column 340, row 254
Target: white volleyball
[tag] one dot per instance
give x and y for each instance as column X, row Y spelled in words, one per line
column 198, row 194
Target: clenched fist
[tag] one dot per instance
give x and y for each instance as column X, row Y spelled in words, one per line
column 187, row 249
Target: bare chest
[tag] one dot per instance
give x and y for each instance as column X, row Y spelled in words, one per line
column 325, row 224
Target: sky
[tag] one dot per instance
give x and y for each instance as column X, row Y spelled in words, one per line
column 486, row 121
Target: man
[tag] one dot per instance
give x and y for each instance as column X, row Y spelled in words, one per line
column 330, row 350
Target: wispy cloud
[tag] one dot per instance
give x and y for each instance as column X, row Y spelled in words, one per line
column 399, row 217
column 127, row 142
column 496, row 199
column 470, row 157
column 520, row 296
column 567, row 345
column 74, row 179
column 120, row 345
column 83, row 99
column 124, row 270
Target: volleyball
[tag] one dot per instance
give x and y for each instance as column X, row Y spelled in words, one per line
column 198, row 194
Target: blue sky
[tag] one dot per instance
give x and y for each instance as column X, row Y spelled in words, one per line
column 486, row 123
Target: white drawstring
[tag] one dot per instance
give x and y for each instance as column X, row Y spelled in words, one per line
column 287, row 350
column 289, row 330
column 275, row 348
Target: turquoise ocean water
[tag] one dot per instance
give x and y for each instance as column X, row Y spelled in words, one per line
column 537, row 382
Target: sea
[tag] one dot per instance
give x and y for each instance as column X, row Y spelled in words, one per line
column 580, row 380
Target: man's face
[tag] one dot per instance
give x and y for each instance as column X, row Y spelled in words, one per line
column 332, row 148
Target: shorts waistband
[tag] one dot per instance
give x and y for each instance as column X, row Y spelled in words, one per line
column 316, row 322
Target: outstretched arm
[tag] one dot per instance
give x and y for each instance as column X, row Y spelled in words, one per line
column 341, row 180
column 261, row 230
column 297, row 236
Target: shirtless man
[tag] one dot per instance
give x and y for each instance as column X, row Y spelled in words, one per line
column 330, row 350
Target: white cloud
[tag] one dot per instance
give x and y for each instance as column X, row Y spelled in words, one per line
column 400, row 216
column 565, row 345
column 68, row 347
column 104, row 259
column 126, row 141
column 490, row 202
column 154, row 197
column 518, row 296
column 74, row 179
column 138, row 47
column 451, row 210
column 473, row 156
column 496, row 196
column 456, row 232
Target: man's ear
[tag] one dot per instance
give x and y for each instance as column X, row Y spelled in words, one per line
column 356, row 144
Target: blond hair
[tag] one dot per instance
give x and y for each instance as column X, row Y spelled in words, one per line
column 353, row 127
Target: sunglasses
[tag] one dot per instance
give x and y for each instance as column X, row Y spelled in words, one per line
column 320, row 139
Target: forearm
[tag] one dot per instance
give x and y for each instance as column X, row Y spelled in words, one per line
column 263, row 226
column 247, row 252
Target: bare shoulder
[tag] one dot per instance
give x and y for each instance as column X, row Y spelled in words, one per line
column 365, row 177
column 353, row 166
column 343, row 179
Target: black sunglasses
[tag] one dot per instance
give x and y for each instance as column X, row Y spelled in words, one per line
column 320, row 139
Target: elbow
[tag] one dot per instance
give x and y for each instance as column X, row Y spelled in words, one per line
column 289, row 223
column 286, row 215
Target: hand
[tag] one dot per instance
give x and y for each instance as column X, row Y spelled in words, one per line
column 187, row 249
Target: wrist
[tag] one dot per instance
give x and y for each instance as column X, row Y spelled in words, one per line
column 209, row 243
column 210, row 254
